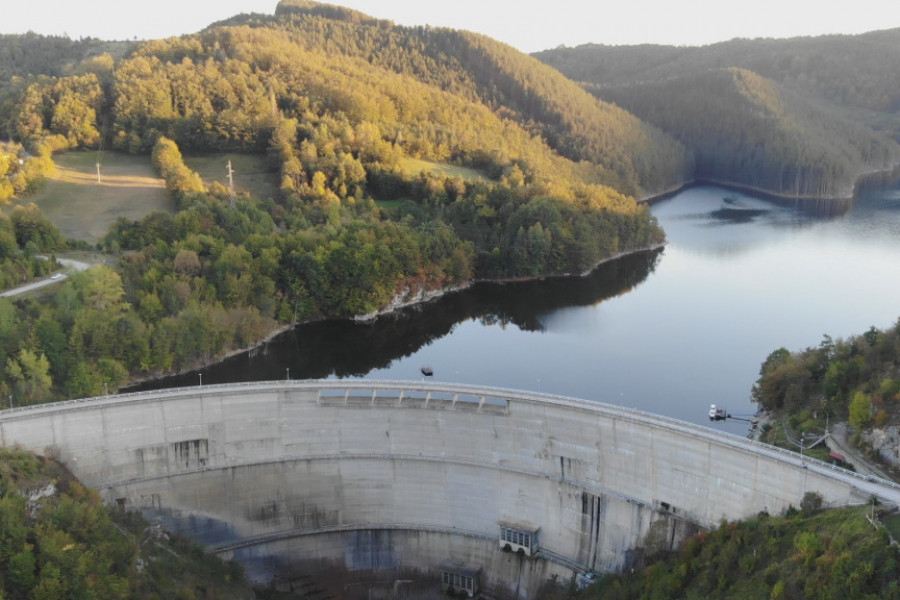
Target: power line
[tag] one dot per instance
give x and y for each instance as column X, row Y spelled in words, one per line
column 103, row 133
column 230, row 172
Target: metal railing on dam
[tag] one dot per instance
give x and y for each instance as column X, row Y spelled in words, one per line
column 278, row 467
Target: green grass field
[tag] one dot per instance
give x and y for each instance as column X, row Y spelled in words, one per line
column 129, row 187
column 251, row 172
column 413, row 166
column 83, row 209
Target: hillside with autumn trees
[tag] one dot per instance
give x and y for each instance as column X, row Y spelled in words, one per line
column 59, row 540
column 806, row 553
column 405, row 160
column 853, row 380
column 799, row 118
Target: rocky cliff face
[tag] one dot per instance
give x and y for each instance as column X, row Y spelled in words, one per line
column 886, row 442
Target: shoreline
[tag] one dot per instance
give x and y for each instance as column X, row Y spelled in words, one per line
column 199, row 364
column 749, row 189
column 660, row 196
column 767, row 194
column 424, row 297
column 421, row 298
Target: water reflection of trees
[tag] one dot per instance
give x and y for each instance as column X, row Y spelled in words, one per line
column 350, row 348
column 884, row 180
column 524, row 304
column 823, row 209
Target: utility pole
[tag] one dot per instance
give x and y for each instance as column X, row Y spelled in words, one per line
column 230, row 172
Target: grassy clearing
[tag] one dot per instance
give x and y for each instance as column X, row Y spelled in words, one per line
column 892, row 523
column 83, row 209
column 413, row 166
column 389, row 204
column 252, row 174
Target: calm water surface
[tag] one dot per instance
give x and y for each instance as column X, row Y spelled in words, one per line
column 668, row 332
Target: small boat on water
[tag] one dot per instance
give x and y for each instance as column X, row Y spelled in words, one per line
column 717, row 413
column 427, row 371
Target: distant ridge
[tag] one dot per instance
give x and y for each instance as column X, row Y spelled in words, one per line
column 801, row 117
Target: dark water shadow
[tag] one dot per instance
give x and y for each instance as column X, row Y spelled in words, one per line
column 738, row 215
column 351, row 348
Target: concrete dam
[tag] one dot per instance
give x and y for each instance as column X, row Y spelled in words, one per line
column 495, row 489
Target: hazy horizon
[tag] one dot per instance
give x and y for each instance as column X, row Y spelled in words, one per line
column 528, row 26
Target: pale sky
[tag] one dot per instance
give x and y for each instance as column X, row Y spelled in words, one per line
column 525, row 24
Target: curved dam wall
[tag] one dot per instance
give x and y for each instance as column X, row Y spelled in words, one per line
column 388, row 476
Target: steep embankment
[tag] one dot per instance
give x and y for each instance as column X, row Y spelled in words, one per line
column 807, row 554
column 58, row 540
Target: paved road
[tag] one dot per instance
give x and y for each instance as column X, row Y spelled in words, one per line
column 56, row 278
column 34, row 285
column 75, row 265
column 837, row 442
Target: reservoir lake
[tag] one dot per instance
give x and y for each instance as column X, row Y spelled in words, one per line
column 670, row 331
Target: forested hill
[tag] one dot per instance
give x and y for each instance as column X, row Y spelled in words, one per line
column 848, row 70
column 748, row 130
column 398, row 162
column 30, row 54
column 624, row 152
column 635, row 158
column 797, row 117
